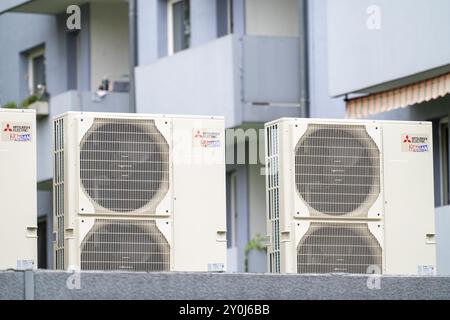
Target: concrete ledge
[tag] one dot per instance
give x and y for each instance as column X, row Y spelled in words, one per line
column 178, row 285
column 12, row 285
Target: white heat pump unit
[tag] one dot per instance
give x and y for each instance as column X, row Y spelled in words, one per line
column 136, row 192
column 350, row 196
column 18, row 227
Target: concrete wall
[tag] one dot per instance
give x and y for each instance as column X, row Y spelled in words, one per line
column 109, row 42
column 168, row 286
column 272, row 18
column 411, row 38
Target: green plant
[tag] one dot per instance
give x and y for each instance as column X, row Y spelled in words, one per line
column 29, row 100
column 257, row 243
column 10, row 105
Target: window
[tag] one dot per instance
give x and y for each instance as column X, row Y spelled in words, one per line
column 179, row 25
column 36, row 69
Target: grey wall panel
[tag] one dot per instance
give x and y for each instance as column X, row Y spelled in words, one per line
column 271, row 69
column 412, row 37
column 321, row 104
column 196, row 81
column 22, row 32
column 211, row 79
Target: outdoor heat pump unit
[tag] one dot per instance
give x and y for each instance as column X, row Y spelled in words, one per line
column 135, row 192
column 18, row 227
column 349, row 196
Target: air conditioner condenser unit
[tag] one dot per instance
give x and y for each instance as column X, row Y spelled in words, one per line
column 348, row 196
column 135, row 192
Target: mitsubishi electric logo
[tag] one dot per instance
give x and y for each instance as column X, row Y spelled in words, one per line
column 207, row 138
column 7, row 128
column 415, row 143
column 15, row 132
column 407, row 140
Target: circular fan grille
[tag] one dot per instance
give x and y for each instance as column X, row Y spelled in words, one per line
column 337, row 169
column 331, row 248
column 124, row 164
column 125, row 245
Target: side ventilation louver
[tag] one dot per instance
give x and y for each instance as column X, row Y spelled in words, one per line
column 58, row 190
column 273, row 195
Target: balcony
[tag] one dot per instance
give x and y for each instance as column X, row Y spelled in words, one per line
column 247, row 79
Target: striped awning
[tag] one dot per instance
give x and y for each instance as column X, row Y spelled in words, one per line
column 399, row 98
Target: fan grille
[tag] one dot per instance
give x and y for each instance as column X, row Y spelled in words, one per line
column 338, row 247
column 124, row 164
column 337, row 169
column 127, row 245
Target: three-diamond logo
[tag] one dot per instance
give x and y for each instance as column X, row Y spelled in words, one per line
column 7, row 128
column 407, row 139
column 198, row 134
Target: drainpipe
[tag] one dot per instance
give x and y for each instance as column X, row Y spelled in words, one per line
column 304, row 61
column 132, row 20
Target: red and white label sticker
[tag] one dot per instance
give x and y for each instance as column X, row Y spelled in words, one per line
column 15, row 132
column 206, row 138
column 415, row 142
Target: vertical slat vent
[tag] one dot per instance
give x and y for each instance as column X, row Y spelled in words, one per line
column 337, row 169
column 124, row 165
column 273, row 196
column 338, row 248
column 58, row 190
column 125, row 245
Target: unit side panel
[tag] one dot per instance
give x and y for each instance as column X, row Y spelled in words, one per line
column 409, row 204
column 199, row 218
column 17, row 188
